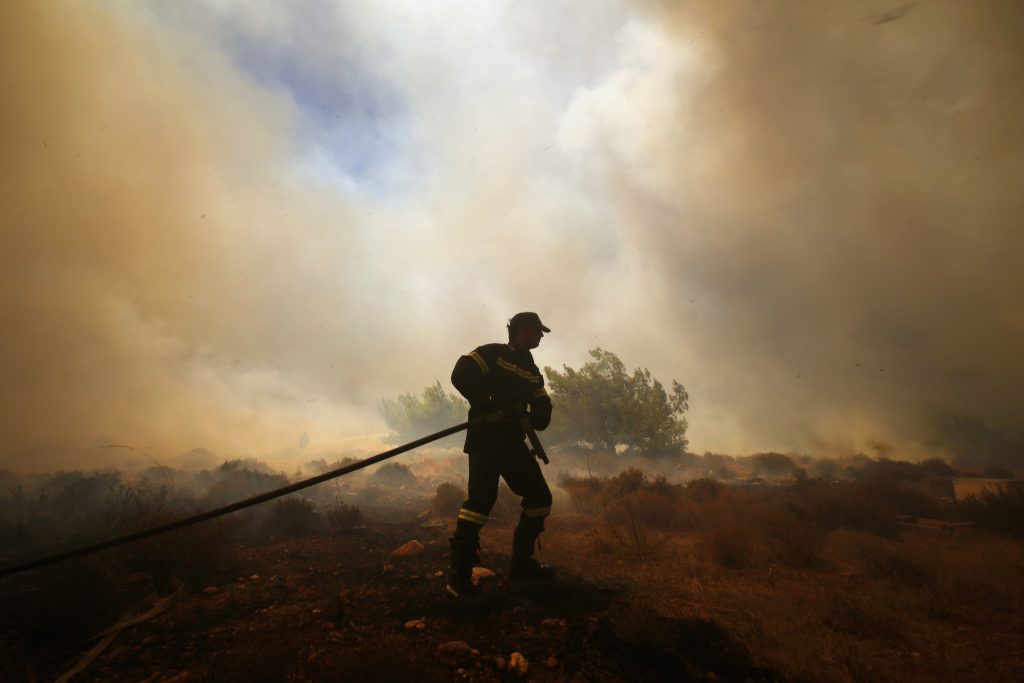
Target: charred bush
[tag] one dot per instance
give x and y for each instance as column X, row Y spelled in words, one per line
column 447, row 499
column 774, row 464
column 342, row 516
column 293, row 516
column 998, row 510
column 229, row 484
column 393, row 474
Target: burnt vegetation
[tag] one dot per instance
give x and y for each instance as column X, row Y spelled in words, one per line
column 696, row 566
column 749, row 555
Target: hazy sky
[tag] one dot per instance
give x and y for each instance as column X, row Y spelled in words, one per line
column 229, row 223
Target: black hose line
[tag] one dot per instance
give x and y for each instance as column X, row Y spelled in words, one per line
column 218, row 512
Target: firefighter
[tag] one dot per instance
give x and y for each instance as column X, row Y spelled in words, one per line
column 502, row 384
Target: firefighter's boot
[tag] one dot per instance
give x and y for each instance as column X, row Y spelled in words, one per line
column 460, row 575
column 524, row 566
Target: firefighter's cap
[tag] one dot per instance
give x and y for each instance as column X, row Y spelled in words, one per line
column 527, row 318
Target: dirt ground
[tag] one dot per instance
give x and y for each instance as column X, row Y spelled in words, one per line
column 343, row 607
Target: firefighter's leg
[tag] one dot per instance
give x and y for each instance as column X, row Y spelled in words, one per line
column 465, row 542
column 524, row 477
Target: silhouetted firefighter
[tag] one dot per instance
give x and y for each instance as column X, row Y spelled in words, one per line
column 505, row 388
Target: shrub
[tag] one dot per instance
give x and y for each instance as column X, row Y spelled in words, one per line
column 704, row 489
column 293, row 516
column 393, row 474
column 622, row 484
column 730, row 544
column 793, row 541
column 582, row 491
column 231, row 483
column 342, row 516
column 447, row 499
column 998, row 510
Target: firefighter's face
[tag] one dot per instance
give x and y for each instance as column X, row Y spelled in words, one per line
column 528, row 336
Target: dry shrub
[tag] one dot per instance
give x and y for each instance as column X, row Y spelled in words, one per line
column 626, row 521
column 860, row 618
column 342, row 516
column 909, row 564
column 866, row 506
column 639, row 510
column 704, row 489
column 794, row 542
column 998, row 511
column 987, row 572
column 393, row 474
column 447, row 499
column 583, row 491
column 730, row 544
column 190, row 553
column 293, row 516
column 622, row 484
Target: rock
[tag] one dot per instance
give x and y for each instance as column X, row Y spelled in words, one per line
column 481, row 574
column 518, row 665
column 254, row 577
column 140, row 577
column 500, row 663
column 558, row 624
column 211, row 590
column 335, row 635
column 410, row 549
column 389, row 568
column 551, row 662
column 416, row 624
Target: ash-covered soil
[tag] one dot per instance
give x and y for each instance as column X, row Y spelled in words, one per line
column 345, row 607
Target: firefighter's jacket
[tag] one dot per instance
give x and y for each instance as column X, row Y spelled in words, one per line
column 494, row 377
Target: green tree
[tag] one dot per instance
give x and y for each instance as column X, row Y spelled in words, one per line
column 410, row 417
column 602, row 406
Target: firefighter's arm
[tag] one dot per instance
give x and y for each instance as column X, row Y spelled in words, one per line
column 540, row 409
column 469, row 378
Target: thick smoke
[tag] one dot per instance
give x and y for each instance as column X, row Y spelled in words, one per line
column 228, row 225
column 832, row 204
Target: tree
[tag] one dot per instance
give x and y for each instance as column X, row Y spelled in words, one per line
column 601, row 407
column 410, row 417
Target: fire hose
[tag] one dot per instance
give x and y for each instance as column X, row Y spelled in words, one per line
column 537, row 450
